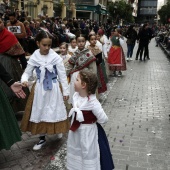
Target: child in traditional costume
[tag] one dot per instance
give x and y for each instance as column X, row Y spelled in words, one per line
column 65, row 56
column 98, row 44
column 45, row 112
column 73, row 46
column 104, row 41
column 102, row 38
column 101, row 71
column 116, row 57
column 87, row 145
column 82, row 59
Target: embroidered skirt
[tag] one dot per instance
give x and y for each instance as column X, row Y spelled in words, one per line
column 42, row 127
column 116, row 59
column 9, row 129
column 102, row 78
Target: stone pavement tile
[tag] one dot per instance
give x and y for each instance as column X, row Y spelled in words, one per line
column 136, row 168
column 139, row 158
column 137, row 149
column 15, row 156
column 16, row 167
column 145, row 164
column 9, row 164
column 120, row 156
column 25, row 136
column 120, row 167
column 2, row 158
column 129, row 153
column 127, row 162
column 14, row 147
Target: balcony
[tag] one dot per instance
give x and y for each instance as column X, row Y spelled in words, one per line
column 148, row 11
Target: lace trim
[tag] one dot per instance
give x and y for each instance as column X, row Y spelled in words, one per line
column 49, row 121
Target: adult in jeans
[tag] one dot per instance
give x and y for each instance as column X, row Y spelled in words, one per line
column 131, row 36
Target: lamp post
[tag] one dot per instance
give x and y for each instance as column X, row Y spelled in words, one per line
column 69, row 9
column 22, row 5
column 98, row 10
column 116, row 16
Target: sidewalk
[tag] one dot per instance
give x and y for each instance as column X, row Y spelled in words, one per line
column 138, row 129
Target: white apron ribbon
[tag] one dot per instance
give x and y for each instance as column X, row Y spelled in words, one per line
column 49, row 67
column 79, row 116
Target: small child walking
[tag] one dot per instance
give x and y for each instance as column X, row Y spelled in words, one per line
column 73, row 46
column 82, row 59
column 45, row 112
column 64, row 54
column 87, row 145
column 101, row 70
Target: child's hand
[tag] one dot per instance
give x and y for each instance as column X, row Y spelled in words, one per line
column 66, row 98
column 25, row 84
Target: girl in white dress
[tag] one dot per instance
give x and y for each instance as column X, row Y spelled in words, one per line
column 82, row 147
column 64, row 54
column 73, row 46
column 45, row 112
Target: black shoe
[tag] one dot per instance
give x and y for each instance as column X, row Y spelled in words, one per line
column 140, row 59
column 40, row 144
column 156, row 45
column 136, row 58
column 148, row 58
column 144, row 59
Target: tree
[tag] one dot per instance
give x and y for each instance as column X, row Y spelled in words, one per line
column 121, row 10
column 164, row 13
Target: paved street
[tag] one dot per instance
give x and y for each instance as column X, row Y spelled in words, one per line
column 138, row 129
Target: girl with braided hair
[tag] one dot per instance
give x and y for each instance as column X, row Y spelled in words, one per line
column 87, row 145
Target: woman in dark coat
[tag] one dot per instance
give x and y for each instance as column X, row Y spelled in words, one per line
column 9, row 129
column 10, row 51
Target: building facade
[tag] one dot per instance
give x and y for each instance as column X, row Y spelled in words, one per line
column 91, row 9
column 34, row 7
column 84, row 9
column 147, row 11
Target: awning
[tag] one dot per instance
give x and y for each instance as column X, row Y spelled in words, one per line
column 103, row 11
column 86, row 7
column 97, row 9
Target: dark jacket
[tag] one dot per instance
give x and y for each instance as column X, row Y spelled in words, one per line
column 4, row 75
column 144, row 36
column 131, row 36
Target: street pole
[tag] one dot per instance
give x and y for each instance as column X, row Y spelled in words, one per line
column 22, row 5
column 69, row 9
